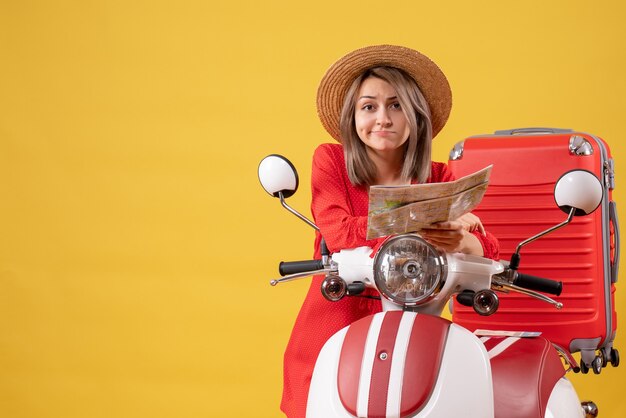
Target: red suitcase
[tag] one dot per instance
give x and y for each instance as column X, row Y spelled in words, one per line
column 519, row 203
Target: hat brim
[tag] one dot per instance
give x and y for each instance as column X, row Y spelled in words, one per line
column 337, row 80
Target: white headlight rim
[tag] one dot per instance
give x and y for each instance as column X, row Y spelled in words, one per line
column 434, row 255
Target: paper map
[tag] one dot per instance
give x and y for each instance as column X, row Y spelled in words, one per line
column 399, row 209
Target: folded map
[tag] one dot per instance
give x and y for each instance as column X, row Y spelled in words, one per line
column 400, row 209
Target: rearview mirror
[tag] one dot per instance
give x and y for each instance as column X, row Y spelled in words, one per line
column 577, row 193
column 277, row 174
column 578, row 189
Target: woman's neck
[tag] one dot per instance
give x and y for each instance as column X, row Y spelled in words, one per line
column 388, row 168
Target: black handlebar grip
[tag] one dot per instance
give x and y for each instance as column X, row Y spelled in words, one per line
column 538, row 283
column 291, row 267
column 466, row 298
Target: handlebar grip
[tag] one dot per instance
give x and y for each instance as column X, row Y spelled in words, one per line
column 538, row 283
column 291, row 267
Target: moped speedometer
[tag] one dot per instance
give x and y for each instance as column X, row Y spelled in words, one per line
column 408, row 270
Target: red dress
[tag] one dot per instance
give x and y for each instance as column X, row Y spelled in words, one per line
column 340, row 211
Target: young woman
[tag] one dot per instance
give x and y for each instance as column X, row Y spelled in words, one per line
column 383, row 104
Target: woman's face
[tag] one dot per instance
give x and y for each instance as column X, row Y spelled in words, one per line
column 379, row 119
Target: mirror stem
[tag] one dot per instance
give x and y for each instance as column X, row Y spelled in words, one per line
column 515, row 258
column 295, row 212
column 323, row 248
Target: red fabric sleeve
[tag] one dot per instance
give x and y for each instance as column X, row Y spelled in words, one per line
column 491, row 247
column 339, row 208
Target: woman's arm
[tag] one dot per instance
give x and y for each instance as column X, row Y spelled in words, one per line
column 339, row 209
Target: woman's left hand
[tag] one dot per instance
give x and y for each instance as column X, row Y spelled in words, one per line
column 472, row 223
column 452, row 236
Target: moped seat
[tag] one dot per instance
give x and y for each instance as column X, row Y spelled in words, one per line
column 524, row 371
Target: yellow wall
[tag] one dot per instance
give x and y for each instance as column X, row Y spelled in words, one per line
column 135, row 242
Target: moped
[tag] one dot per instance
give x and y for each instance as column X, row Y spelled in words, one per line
column 408, row 361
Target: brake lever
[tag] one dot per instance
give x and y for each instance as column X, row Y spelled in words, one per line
column 296, row 276
column 502, row 285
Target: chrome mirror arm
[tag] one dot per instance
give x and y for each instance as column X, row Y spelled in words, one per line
column 295, row 212
column 570, row 216
column 516, row 257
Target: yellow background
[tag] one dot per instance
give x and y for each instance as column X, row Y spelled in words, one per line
column 136, row 244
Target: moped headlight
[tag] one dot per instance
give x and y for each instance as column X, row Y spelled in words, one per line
column 408, row 270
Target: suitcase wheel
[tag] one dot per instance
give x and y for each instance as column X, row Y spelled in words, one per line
column 614, row 357
column 604, row 356
column 611, row 356
column 596, row 365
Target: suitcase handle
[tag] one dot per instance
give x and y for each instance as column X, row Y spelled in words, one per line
column 613, row 220
column 533, row 131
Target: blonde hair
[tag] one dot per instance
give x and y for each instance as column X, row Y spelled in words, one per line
column 417, row 149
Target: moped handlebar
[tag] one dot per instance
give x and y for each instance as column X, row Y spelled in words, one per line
column 539, row 284
column 293, row 267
